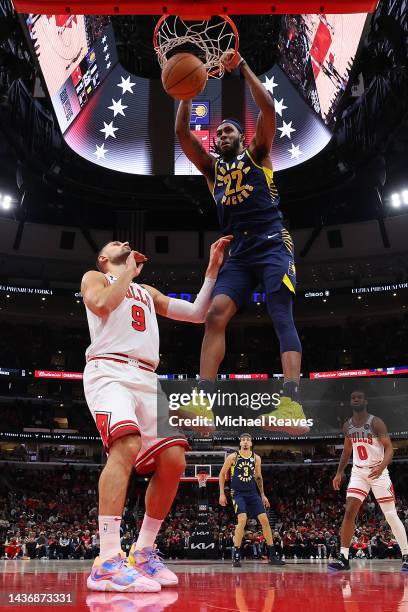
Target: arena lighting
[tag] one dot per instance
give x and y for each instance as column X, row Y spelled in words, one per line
column 399, row 198
column 396, row 200
column 5, row 202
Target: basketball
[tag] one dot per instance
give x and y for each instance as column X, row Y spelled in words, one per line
column 184, row 76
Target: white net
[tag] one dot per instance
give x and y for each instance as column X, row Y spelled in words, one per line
column 208, row 39
column 202, row 479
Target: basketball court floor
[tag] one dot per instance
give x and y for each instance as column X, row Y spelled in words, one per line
column 301, row 586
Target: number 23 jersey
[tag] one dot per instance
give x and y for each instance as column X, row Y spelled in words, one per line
column 130, row 329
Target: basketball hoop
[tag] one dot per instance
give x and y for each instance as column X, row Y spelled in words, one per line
column 202, row 478
column 208, row 38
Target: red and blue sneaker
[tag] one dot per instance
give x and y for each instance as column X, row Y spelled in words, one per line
column 149, row 563
column 115, row 575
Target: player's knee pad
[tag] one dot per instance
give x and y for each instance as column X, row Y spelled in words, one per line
column 280, row 308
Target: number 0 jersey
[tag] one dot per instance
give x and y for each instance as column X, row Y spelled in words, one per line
column 246, row 196
column 367, row 448
column 243, row 473
column 131, row 329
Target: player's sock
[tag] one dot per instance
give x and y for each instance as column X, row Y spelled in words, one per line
column 291, row 389
column 398, row 529
column 148, row 532
column 109, row 535
column 345, row 552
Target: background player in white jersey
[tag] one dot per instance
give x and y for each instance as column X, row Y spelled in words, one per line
column 367, row 438
column 121, row 391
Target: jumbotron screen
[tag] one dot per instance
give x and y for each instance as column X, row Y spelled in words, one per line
column 317, row 53
column 75, row 53
column 126, row 123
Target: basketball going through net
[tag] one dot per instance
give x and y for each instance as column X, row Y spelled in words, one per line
column 208, row 39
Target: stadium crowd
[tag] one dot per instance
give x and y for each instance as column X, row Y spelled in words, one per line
column 55, row 517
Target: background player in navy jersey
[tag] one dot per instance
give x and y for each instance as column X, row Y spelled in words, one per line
column 241, row 181
column 247, row 495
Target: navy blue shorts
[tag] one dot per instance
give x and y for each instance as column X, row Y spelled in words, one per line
column 265, row 259
column 247, row 502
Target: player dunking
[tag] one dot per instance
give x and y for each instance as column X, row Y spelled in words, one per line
column 121, row 391
column 241, row 182
column 367, row 438
column 247, row 495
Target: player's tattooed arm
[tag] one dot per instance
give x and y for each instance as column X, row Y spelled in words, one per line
column 261, row 143
column 190, row 144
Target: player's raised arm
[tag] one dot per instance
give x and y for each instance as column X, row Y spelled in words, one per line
column 261, row 143
column 102, row 298
column 222, row 476
column 193, row 312
column 192, row 147
column 344, row 459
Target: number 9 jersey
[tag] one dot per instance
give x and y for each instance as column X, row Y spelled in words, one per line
column 131, row 329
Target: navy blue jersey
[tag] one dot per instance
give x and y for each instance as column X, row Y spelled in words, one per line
column 246, row 196
column 243, row 473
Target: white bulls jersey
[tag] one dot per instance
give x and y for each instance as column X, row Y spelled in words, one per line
column 131, row 329
column 367, row 448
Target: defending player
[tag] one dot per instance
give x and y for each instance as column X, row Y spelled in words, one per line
column 367, row 438
column 247, row 495
column 121, row 391
column 241, row 182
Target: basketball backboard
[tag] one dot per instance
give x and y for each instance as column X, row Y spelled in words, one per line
column 185, row 7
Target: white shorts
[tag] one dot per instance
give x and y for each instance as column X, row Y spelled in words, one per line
column 123, row 400
column 360, row 485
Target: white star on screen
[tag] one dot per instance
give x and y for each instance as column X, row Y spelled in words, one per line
column 105, row 48
column 104, row 39
column 101, row 151
column 109, row 130
column 117, row 107
column 126, row 85
column 270, row 84
column 107, row 56
column 286, row 129
column 108, row 65
column 295, row 151
column 279, row 107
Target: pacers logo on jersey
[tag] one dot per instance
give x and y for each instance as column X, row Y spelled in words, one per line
column 292, row 268
column 246, row 471
column 232, row 177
